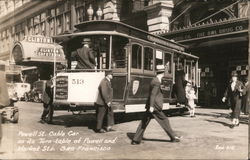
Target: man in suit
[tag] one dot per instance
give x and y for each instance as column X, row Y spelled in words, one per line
column 85, row 56
column 233, row 95
column 47, row 99
column 154, row 107
column 103, row 104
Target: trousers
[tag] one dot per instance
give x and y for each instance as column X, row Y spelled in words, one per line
column 160, row 117
column 102, row 113
column 48, row 110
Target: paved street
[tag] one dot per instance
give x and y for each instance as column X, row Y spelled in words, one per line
column 207, row 136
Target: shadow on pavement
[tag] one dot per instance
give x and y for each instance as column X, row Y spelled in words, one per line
column 214, row 114
column 156, row 140
column 131, row 136
column 223, row 123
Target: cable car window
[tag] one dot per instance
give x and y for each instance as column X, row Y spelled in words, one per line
column 148, row 58
column 136, row 56
column 159, row 58
column 119, row 52
column 168, row 62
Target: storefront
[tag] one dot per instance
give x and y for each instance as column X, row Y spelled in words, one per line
column 222, row 48
column 39, row 51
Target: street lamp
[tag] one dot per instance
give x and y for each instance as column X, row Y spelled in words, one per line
column 99, row 13
column 90, row 12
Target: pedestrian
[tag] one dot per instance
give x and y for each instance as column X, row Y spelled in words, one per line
column 180, row 86
column 233, row 95
column 154, row 108
column 104, row 104
column 207, row 93
column 245, row 100
column 47, row 99
column 85, row 56
column 191, row 97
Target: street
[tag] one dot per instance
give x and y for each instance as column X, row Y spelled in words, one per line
column 207, row 136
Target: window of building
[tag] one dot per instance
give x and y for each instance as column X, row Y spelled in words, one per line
column 136, row 56
column 80, row 11
column 59, row 24
column 139, row 5
column 67, row 21
column 148, row 58
column 51, row 27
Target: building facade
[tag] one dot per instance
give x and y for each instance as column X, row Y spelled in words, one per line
column 217, row 32
column 214, row 30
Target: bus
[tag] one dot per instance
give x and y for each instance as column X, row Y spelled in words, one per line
column 132, row 54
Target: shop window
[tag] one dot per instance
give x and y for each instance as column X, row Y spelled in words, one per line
column 136, row 56
column 148, row 58
column 158, row 57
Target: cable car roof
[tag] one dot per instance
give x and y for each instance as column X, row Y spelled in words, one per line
column 108, row 27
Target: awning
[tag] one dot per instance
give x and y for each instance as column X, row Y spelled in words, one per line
column 37, row 49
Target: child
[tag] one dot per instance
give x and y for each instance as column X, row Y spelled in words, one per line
column 191, row 98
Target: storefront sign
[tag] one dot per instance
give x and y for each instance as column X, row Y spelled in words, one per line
column 209, row 31
column 38, row 39
column 48, row 52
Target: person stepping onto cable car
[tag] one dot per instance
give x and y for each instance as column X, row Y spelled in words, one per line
column 85, row 56
column 103, row 104
column 154, row 107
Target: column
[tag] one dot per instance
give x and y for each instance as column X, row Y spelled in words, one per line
column 112, row 9
column 158, row 15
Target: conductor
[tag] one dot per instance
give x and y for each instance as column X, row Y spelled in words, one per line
column 85, row 56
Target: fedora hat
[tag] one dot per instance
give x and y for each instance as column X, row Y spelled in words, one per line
column 234, row 74
column 109, row 72
column 160, row 69
column 86, row 40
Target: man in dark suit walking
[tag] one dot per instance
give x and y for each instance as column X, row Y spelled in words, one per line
column 47, row 99
column 103, row 104
column 154, row 107
column 85, row 56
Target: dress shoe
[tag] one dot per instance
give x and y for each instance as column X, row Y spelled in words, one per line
column 101, row 131
column 110, row 130
column 176, row 139
column 135, row 142
column 232, row 125
column 42, row 121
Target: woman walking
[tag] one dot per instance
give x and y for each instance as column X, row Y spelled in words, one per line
column 233, row 95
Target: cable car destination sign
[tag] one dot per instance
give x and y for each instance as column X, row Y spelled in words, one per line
column 37, row 48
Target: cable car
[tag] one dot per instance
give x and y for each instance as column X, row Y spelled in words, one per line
column 132, row 54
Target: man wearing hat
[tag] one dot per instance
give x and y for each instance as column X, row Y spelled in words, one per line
column 103, row 104
column 154, row 108
column 85, row 56
column 233, row 95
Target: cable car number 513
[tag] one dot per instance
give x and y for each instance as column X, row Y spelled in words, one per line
column 77, row 81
